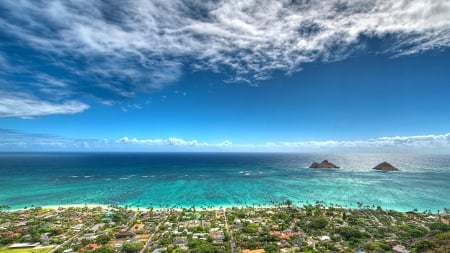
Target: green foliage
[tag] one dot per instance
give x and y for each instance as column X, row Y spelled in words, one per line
column 350, row 233
column 439, row 227
column 271, row 248
column 201, row 246
column 131, row 247
column 250, row 228
column 318, row 223
column 241, row 214
column 227, row 236
column 102, row 239
column 352, row 220
column 423, row 246
column 288, row 202
column 378, row 247
column 5, row 240
column 440, row 243
column 198, row 229
column 413, row 231
column 104, row 249
column 442, row 239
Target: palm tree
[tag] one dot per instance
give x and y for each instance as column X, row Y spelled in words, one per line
column 288, row 202
column 360, row 204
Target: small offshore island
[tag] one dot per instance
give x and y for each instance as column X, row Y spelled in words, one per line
column 325, row 164
column 280, row 228
column 385, row 166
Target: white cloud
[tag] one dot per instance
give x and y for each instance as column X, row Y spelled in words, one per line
column 425, row 143
column 25, row 106
column 172, row 141
column 14, row 140
column 398, row 143
column 146, row 43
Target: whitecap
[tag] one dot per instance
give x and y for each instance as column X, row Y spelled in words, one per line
column 123, row 178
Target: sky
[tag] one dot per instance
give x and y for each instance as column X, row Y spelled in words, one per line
column 294, row 76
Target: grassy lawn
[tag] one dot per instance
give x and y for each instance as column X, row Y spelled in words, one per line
column 29, row 250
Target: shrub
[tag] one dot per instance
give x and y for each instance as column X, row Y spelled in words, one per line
column 318, row 223
column 350, row 233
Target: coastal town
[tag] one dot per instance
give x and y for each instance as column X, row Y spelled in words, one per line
column 282, row 228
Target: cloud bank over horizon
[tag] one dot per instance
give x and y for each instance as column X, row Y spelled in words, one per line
column 18, row 141
column 84, row 52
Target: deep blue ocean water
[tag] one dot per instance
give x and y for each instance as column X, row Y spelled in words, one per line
column 222, row 179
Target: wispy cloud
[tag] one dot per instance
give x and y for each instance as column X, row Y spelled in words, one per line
column 116, row 50
column 423, row 143
column 15, row 141
column 26, row 106
column 420, row 143
column 172, row 141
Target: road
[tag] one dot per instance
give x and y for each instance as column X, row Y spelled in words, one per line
column 64, row 243
column 233, row 244
column 149, row 241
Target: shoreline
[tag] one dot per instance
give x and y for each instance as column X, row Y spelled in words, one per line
column 214, row 208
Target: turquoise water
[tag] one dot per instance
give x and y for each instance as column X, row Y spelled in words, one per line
column 217, row 179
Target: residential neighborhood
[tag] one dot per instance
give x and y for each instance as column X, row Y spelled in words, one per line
column 281, row 228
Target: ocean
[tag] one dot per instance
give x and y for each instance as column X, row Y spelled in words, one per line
column 164, row 180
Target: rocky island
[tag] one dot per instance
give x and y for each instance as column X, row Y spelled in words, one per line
column 385, row 166
column 323, row 165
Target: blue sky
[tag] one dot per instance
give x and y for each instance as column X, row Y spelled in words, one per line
column 225, row 76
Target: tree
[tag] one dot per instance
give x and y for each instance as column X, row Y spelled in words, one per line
column 288, row 202
column 104, row 249
column 102, row 239
column 131, row 247
column 4, row 207
column 439, row 227
column 201, row 246
column 250, row 228
column 271, row 248
column 350, row 233
column 423, row 245
column 318, row 223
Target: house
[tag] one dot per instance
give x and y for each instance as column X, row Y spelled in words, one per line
column 5, row 225
column 89, row 236
column 199, row 236
column 92, row 246
column 400, row 249
column 160, row 250
column 23, row 245
column 286, row 234
column 97, row 227
column 283, row 244
column 125, row 234
column 217, row 236
column 324, row 238
column 77, row 227
column 180, row 240
column 257, row 220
